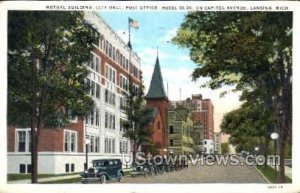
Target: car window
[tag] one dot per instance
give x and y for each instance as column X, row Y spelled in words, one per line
column 116, row 162
column 98, row 163
column 106, row 163
column 111, row 163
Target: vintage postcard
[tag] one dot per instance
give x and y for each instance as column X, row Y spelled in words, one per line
column 144, row 96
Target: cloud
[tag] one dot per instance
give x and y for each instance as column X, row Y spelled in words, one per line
column 170, row 34
column 184, row 58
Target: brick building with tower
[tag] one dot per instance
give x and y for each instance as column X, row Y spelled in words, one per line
column 157, row 99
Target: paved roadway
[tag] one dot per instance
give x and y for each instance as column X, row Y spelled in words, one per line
column 204, row 174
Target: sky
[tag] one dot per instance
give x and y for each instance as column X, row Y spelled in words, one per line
column 155, row 32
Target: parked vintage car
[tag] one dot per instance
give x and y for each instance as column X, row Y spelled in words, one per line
column 103, row 170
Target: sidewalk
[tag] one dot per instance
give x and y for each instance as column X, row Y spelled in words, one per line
column 55, row 178
column 28, row 181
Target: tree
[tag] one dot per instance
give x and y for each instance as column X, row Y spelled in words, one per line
column 224, row 148
column 46, row 72
column 139, row 118
column 251, row 51
column 249, row 126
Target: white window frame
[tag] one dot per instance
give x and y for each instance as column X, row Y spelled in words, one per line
column 110, row 73
column 27, row 139
column 124, row 79
column 69, row 141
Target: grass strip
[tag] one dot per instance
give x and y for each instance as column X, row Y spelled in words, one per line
column 270, row 174
column 14, row 177
column 63, row 181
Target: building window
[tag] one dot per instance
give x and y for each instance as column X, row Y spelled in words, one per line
column 92, row 117
column 123, row 147
column 110, row 121
column 110, row 74
column 72, row 167
column 92, row 88
column 135, row 72
column 171, row 142
column 109, row 145
column 158, row 125
column 97, row 144
column 28, row 168
column 23, row 140
column 124, row 82
column 106, row 47
column 97, row 64
column 97, row 118
column 171, row 129
column 110, row 50
column 114, row 54
column 22, row 168
column 92, row 143
column 71, row 115
column 122, row 128
column 70, row 141
column 97, row 91
column 67, row 168
column 110, row 97
column 106, row 145
column 123, row 103
column 126, row 64
column 113, row 145
column 106, row 119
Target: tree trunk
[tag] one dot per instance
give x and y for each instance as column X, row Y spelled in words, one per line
column 34, row 154
column 266, row 150
column 34, row 148
column 280, row 151
column 134, row 153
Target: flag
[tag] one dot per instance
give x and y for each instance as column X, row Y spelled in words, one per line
column 133, row 23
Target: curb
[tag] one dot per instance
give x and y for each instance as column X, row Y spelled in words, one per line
column 262, row 175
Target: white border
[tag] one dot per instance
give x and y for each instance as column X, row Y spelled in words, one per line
column 174, row 188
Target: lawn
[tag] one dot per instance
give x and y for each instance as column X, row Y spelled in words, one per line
column 269, row 173
column 65, row 181
column 13, row 177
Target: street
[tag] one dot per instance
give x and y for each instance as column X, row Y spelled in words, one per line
column 204, row 174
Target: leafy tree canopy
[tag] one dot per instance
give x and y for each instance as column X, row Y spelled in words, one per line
column 46, row 56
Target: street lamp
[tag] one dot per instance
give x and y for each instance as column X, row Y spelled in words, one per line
column 256, row 149
column 275, row 136
column 87, row 142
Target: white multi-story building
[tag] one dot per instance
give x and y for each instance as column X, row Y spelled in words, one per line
column 63, row 150
column 217, row 139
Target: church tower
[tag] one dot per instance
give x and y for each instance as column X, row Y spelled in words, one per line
column 157, row 98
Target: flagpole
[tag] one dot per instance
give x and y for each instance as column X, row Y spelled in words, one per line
column 129, row 33
column 129, row 61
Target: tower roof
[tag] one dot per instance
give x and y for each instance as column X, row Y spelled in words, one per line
column 156, row 89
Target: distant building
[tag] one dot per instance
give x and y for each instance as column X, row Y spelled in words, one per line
column 157, row 99
column 203, row 114
column 197, row 136
column 217, row 140
column 196, row 129
column 208, row 147
column 180, row 128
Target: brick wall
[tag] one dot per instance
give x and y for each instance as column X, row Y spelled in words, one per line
column 50, row 139
column 162, row 105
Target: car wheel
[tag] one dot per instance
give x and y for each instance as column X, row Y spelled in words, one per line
column 103, row 179
column 120, row 177
column 146, row 172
